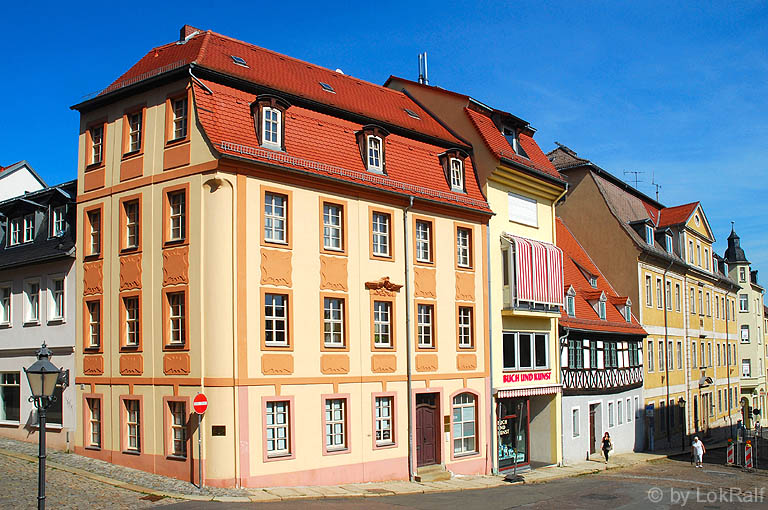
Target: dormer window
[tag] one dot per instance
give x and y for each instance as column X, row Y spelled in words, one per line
column 601, row 309
column 628, row 313
column 512, row 137
column 457, row 175
column 269, row 119
column 649, row 234
column 29, row 228
column 570, row 306
column 374, row 154
column 59, row 221
column 668, row 239
column 452, row 162
column 593, row 281
column 372, row 147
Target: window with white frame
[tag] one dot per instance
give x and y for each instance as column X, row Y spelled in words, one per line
column 709, row 305
column 706, row 259
column 629, row 410
column 10, row 397
column 14, row 231
column 668, row 294
column 332, row 227
column 464, row 247
column 333, row 322
column 575, row 354
column 627, row 313
column 132, row 425
column 383, row 411
column 649, row 234
column 522, row 209
column 525, row 351
column 380, row 234
column 693, row 354
column 59, row 221
column 97, row 144
column 693, row 300
column 423, row 241
column 668, row 239
column 94, row 422
column 746, row 368
column 177, row 215
column 575, row 421
column 425, row 325
column 619, row 413
column 670, row 357
column 382, row 324
column 335, row 424
column 570, row 306
column 465, row 327
column 270, row 127
column 178, row 411
column 32, row 300
column 131, row 304
column 743, row 303
column 278, row 428
column 176, row 318
column 94, row 324
column 648, row 291
column 659, row 296
column 131, row 210
column 650, row 356
column 29, row 228
column 275, row 218
column 94, row 232
column 276, row 319
column 610, row 414
column 745, row 333
column 134, row 131
column 742, row 274
column 57, row 298
column 680, row 355
column 464, row 424
column 179, row 118
column 601, row 309
column 457, row 174
column 5, row 304
column 374, row 154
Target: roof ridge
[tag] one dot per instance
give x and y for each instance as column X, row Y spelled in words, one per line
column 204, row 44
column 297, row 60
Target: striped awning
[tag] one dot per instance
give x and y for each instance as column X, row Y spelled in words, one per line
column 539, row 271
column 527, row 392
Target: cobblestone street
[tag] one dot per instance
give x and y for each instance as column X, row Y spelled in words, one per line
column 63, row 490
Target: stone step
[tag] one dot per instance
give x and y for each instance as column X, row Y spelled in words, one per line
column 434, row 473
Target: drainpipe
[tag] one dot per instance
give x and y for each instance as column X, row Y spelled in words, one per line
column 492, row 425
column 563, row 342
column 409, row 382
column 666, row 349
column 728, row 367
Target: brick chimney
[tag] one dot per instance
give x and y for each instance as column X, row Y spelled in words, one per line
column 186, row 31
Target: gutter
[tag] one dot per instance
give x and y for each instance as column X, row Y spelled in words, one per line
column 562, row 341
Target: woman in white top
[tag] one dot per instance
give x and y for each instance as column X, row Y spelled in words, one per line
column 698, row 451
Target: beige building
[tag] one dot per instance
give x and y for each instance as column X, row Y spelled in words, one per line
column 749, row 322
column 526, row 275
column 306, row 248
column 662, row 258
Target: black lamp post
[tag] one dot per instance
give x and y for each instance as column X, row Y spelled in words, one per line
column 42, row 376
column 681, row 403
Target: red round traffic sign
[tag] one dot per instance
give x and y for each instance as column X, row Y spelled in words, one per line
column 200, row 403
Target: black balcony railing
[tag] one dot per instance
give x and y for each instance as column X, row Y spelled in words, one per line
column 604, row 380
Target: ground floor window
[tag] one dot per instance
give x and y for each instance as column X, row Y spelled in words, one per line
column 464, row 424
column 178, row 428
column 10, row 396
column 384, row 420
column 132, row 425
column 575, row 419
column 54, row 415
column 335, row 424
column 278, row 432
column 94, row 422
column 512, row 430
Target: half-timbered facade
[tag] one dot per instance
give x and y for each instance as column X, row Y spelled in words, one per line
column 601, row 358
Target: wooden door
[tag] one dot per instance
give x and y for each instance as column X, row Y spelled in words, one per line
column 592, row 448
column 426, row 431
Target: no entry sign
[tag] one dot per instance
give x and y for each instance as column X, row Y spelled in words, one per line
column 200, row 403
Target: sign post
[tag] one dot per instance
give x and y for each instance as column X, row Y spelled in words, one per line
column 200, row 404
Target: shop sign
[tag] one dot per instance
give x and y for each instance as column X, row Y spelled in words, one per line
column 527, row 376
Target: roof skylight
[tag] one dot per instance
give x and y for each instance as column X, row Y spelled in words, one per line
column 412, row 113
column 239, row 61
column 327, row 87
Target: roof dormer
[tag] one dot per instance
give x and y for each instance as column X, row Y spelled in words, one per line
column 597, row 299
column 268, row 114
column 454, row 169
column 370, row 142
column 570, row 301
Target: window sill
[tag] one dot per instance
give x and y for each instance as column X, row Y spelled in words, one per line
column 384, row 446
column 177, row 141
column 378, row 256
column 464, row 455
column 132, row 154
column 31, row 323
column 94, row 166
column 170, row 243
column 279, row 244
column 5, row 325
column 9, row 423
column 175, row 347
column 280, row 456
column 425, row 262
column 177, row 458
column 49, row 426
column 56, row 321
column 271, row 147
column 131, row 452
column 276, row 346
column 337, row 451
column 93, row 448
column 131, row 249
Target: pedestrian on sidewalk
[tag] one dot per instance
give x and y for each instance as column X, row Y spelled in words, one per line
column 607, row 445
column 698, row 452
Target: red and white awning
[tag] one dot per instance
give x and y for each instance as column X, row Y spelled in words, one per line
column 539, row 271
column 527, row 392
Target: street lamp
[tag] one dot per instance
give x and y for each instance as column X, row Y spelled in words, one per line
column 681, row 403
column 42, row 376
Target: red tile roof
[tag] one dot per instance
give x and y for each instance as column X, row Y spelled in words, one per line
column 586, row 317
column 325, row 145
column 290, row 76
column 676, row 215
column 500, row 147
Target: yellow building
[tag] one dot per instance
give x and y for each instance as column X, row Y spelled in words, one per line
column 525, row 267
column 305, row 248
column 662, row 258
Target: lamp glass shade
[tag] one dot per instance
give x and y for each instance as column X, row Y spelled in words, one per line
column 42, row 377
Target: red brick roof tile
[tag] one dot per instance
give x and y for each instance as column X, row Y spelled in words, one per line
column 325, row 145
column 677, row 214
column 586, row 318
column 499, row 145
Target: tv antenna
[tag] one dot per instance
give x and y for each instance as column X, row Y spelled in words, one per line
column 636, row 174
column 658, row 186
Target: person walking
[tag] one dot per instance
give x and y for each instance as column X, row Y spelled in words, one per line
column 698, row 452
column 607, row 445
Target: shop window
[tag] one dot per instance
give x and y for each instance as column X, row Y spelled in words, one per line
column 513, row 432
column 10, row 397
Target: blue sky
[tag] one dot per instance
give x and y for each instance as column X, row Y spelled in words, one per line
column 674, row 90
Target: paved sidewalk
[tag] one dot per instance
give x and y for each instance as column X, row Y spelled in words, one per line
column 160, row 486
